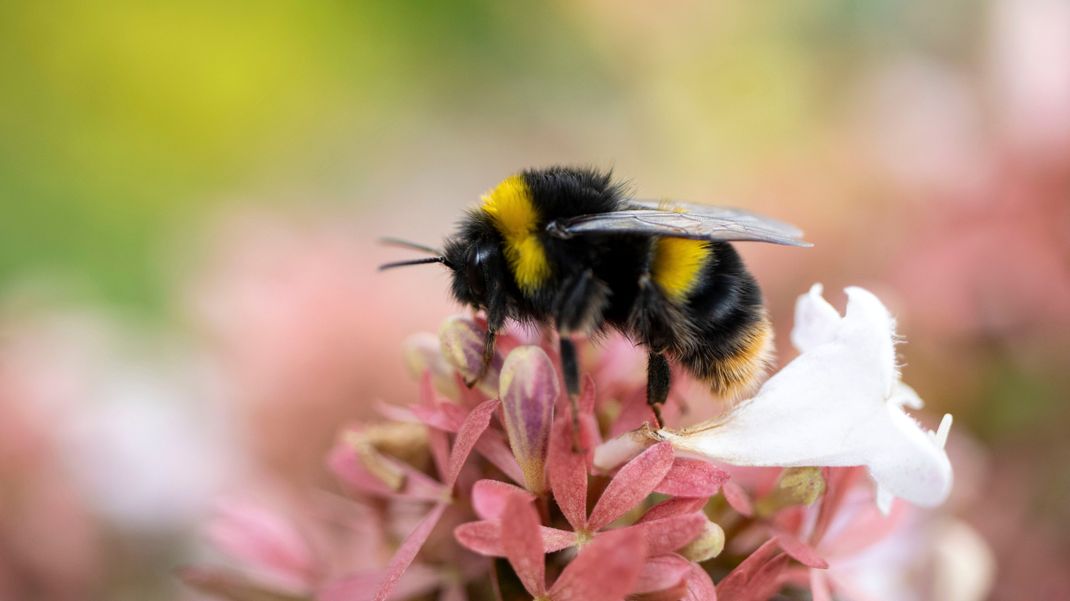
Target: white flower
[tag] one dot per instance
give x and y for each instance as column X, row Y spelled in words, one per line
column 840, row 403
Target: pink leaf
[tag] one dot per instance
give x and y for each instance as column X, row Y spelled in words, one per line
column 485, row 537
column 472, row 428
column 699, row 586
column 439, row 445
column 837, row 482
column 489, row 497
column 528, row 391
column 738, row 499
column 568, row 475
column 673, row 507
column 522, row 544
column 669, row 534
column 692, row 478
column 408, row 550
column 605, row 570
column 800, row 551
column 632, row 484
column 661, row 573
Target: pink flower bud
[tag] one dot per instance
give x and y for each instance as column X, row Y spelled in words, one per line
column 528, row 389
column 462, row 341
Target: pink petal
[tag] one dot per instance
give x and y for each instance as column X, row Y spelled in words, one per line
column 227, row 585
column 819, row 586
column 632, row 484
column 419, row 579
column 660, row 573
column 472, row 428
column 673, row 507
column 408, row 550
column 837, row 482
column 344, row 463
column 568, row 475
column 692, row 478
column 522, row 544
column 738, row 499
column 263, row 540
column 699, row 585
column 485, row 537
column 489, row 497
column 605, row 570
column 493, row 448
column 528, row 388
column 740, row 584
column 439, row 445
column 669, row 534
column 800, row 551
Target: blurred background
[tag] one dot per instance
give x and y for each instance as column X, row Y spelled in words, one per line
column 191, row 194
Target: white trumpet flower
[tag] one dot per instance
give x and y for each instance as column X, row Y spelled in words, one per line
column 840, row 403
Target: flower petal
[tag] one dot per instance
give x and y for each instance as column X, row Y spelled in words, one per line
column 692, row 478
column 699, row 586
column 489, row 497
column 485, row 537
column 829, row 407
column 528, row 388
column 738, row 498
column 469, row 433
column 605, row 570
column 661, row 573
column 568, row 475
column 800, row 551
column 632, row 484
column 344, row 462
column 816, row 321
column 408, row 550
column 669, row 534
column 264, row 540
column 522, row 544
column 756, row 577
column 673, row 507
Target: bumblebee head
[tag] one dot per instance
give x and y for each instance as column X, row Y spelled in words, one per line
column 473, row 264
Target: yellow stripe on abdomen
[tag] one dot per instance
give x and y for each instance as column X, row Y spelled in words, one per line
column 677, row 264
column 513, row 212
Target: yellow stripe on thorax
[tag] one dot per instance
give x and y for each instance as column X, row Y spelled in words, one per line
column 513, row 212
column 677, row 264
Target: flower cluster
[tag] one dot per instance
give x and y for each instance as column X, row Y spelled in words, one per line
column 501, row 492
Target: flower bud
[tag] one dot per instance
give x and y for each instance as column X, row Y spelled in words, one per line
column 796, row 486
column 708, row 545
column 462, row 342
column 423, row 353
column 528, row 389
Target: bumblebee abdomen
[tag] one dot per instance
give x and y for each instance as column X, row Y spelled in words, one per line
column 729, row 340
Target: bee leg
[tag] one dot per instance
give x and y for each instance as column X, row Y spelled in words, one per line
column 571, row 368
column 658, row 379
column 488, row 357
column 579, row 304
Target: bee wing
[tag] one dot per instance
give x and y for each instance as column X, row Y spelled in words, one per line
column 697, row 222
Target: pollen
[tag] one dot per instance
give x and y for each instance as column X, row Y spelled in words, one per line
column 513, row 211
column 677, row 265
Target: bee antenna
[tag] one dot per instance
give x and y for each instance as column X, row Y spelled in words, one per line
column 442, row 260
column 410, row 245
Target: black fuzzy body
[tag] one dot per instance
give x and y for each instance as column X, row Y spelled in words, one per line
column 600, row 282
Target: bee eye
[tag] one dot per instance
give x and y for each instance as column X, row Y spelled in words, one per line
column 474, row 273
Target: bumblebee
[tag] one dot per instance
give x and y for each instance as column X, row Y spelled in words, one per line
column 568, row 248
